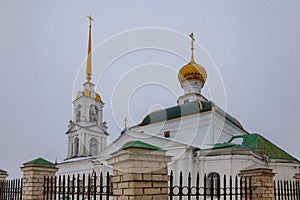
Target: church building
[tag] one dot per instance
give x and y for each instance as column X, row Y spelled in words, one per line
column 197, row 133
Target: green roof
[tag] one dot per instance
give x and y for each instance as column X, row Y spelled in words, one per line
column 185, row 110
column 258, row 143
column 39, row 161
column 223, row 145
column 139, row 144
column 3, row 171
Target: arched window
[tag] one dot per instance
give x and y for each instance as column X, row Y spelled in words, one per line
column 78, row 113
column 93, row 113
column 76, row 147
column 213, row 184
column 93, row 146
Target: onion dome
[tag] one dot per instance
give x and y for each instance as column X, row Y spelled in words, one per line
column 98, row 97
column 192, row 70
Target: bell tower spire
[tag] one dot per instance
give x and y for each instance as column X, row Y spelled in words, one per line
column 87, row 132
column 89, row 59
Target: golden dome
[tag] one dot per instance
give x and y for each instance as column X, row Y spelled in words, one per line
column 98, row 98
column 192, row 71
column 88, row 93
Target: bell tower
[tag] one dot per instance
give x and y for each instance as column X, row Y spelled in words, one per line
column 87, row 132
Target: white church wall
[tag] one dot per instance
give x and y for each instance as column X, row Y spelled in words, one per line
column 226, row 164
column 192, row 130
column 76, row 166
column 284, row 170
column 224, row 130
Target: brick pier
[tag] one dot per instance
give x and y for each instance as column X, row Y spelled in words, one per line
column 140, row 172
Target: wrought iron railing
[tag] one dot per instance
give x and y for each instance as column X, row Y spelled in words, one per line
column 286, row 190
column 210, row 188
column 11, row 189
column 79, row 187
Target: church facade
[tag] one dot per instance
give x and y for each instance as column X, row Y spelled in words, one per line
column 199, row 135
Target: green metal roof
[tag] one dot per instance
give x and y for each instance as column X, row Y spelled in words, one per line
column 185, row 110
column 39, row 161
column 3, row 171
column 223, row 145
column 139, row 144
column 258, row 143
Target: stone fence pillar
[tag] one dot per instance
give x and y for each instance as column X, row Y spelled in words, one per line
column 140, row 172
column 33, row 178
column 3, row 175
column 261, row 182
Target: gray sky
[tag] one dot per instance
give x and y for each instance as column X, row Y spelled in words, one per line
column 255, row 45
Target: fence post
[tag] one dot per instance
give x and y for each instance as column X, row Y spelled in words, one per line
column 3, row 175
column 33, row 178
column 140, row 172
column 262, row 185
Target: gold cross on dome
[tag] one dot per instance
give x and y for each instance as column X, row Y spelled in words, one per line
column 193, row 39
column 91, row 19
column 125, row 121
column 192, row 48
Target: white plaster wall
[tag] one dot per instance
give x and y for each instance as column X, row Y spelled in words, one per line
column 197, row 130
column 184, row 158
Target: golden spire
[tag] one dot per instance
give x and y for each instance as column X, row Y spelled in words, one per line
column 89, row 59
column 192, row 48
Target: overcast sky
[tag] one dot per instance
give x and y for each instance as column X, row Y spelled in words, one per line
column 255, row 45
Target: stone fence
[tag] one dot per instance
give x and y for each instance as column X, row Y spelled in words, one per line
column 140, row 172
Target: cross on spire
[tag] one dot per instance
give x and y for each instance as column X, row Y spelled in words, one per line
column 125, row 122
column 192, row 48
column 89, row 59
column 91, row 19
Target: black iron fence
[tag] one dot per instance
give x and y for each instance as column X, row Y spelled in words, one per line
column 286, row 190
column 210, row 187
column 11, row 189
column 79, row 187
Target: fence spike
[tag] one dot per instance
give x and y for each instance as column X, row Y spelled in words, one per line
column 189, row 186
column 78, row 187
column 197, row 186
column 180, row 185
column 101, row 185
column 95, row 185
column 47, row 194
column 205, row 188
column 83, row 186
column 171, row 186
column 224, row 187
column 107, row 185
column 230, row 187
column 68, row 186
column 89, row 186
